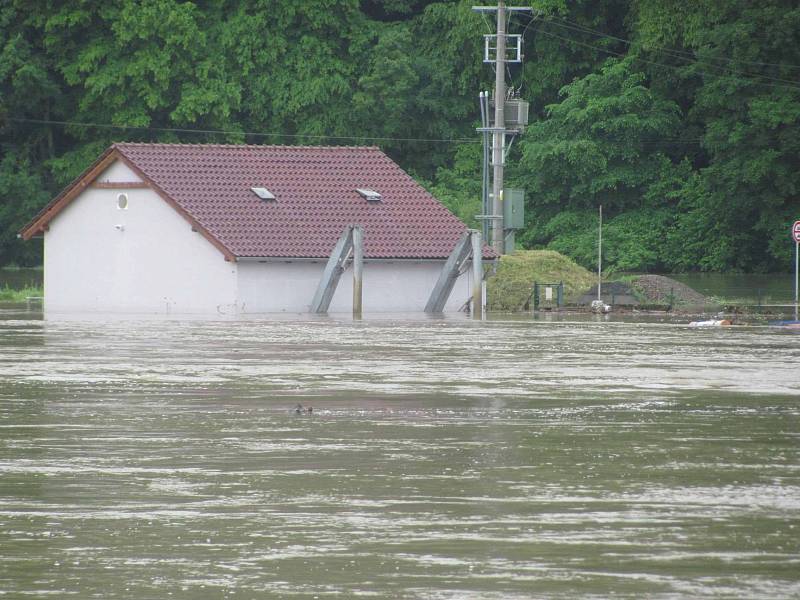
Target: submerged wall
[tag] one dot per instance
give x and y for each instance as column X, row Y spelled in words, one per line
column 388, row 286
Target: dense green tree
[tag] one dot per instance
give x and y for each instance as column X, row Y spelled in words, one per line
column 735, row 65
column 601, row 146
column 24, row 195
column 681, row 119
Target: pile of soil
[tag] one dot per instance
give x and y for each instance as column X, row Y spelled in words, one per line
column 657, row 289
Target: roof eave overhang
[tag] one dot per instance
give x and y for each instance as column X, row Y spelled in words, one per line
column 324, row 258
column 38, row 225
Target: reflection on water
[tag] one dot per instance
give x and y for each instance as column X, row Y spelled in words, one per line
column 444, row 459
column 774, row 287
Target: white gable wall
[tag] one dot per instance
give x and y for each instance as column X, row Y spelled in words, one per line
column 145, row 258
column 388, row 286
column 117, row 172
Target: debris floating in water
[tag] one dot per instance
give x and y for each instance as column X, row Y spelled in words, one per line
column 711, row 323
column 598, row 306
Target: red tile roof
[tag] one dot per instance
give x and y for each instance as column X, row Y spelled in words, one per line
column 316, row 197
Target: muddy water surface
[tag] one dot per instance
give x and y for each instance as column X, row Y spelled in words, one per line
column 444, row 459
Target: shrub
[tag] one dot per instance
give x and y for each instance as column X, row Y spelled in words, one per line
column 510, row 287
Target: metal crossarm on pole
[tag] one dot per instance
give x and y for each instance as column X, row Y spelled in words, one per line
column 516, row 48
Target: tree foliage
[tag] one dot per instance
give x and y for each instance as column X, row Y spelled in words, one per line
column 686, row 133
column 681, row 119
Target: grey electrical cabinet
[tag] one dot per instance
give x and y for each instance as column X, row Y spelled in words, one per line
column 516, row 113
column 513, row 208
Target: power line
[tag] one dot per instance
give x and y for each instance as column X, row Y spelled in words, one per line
column 669, row 50
column 644, row 60
column 686, row 56
column 680, row 55
column 662, row 141
column 486, row 22
column 245, row 133
column 665, row 142
column 531, row 21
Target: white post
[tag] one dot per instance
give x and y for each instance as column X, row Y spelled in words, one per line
column 358, row 269
column 600, row 254
column 477, row 275
column 796, row 279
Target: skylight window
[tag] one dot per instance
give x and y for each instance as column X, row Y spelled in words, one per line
column 263, row 193
column 370, row 195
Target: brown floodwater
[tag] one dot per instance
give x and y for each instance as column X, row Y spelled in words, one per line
column 444, row 459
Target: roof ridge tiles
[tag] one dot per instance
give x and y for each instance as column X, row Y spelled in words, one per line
column 244, row 146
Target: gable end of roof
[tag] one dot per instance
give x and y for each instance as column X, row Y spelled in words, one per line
column 38, row 225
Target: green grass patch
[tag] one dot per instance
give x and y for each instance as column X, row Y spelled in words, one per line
column 510, row 288
column 8, row 294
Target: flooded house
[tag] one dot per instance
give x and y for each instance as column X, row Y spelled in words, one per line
column 185, row 228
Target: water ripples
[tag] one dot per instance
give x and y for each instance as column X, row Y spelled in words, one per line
column 444, row 459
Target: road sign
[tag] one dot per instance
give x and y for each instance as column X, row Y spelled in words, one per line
column 796, row 231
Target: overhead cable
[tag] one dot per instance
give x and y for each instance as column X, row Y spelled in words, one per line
column 659, row 64
column 244, row 133
column 680, row 55
column 689, row 55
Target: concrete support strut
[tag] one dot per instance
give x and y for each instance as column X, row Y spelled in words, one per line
column 333, row 271
column 469, row 244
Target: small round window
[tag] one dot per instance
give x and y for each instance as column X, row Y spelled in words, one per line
column 122, row 201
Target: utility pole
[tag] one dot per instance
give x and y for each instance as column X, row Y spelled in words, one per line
column 499, row 137
column 507, row 49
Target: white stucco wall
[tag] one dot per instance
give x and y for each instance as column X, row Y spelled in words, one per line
column 116, row 172
column 154, row 263
column 388, row 286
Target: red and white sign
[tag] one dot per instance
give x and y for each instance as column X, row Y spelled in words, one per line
column 796, row 232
